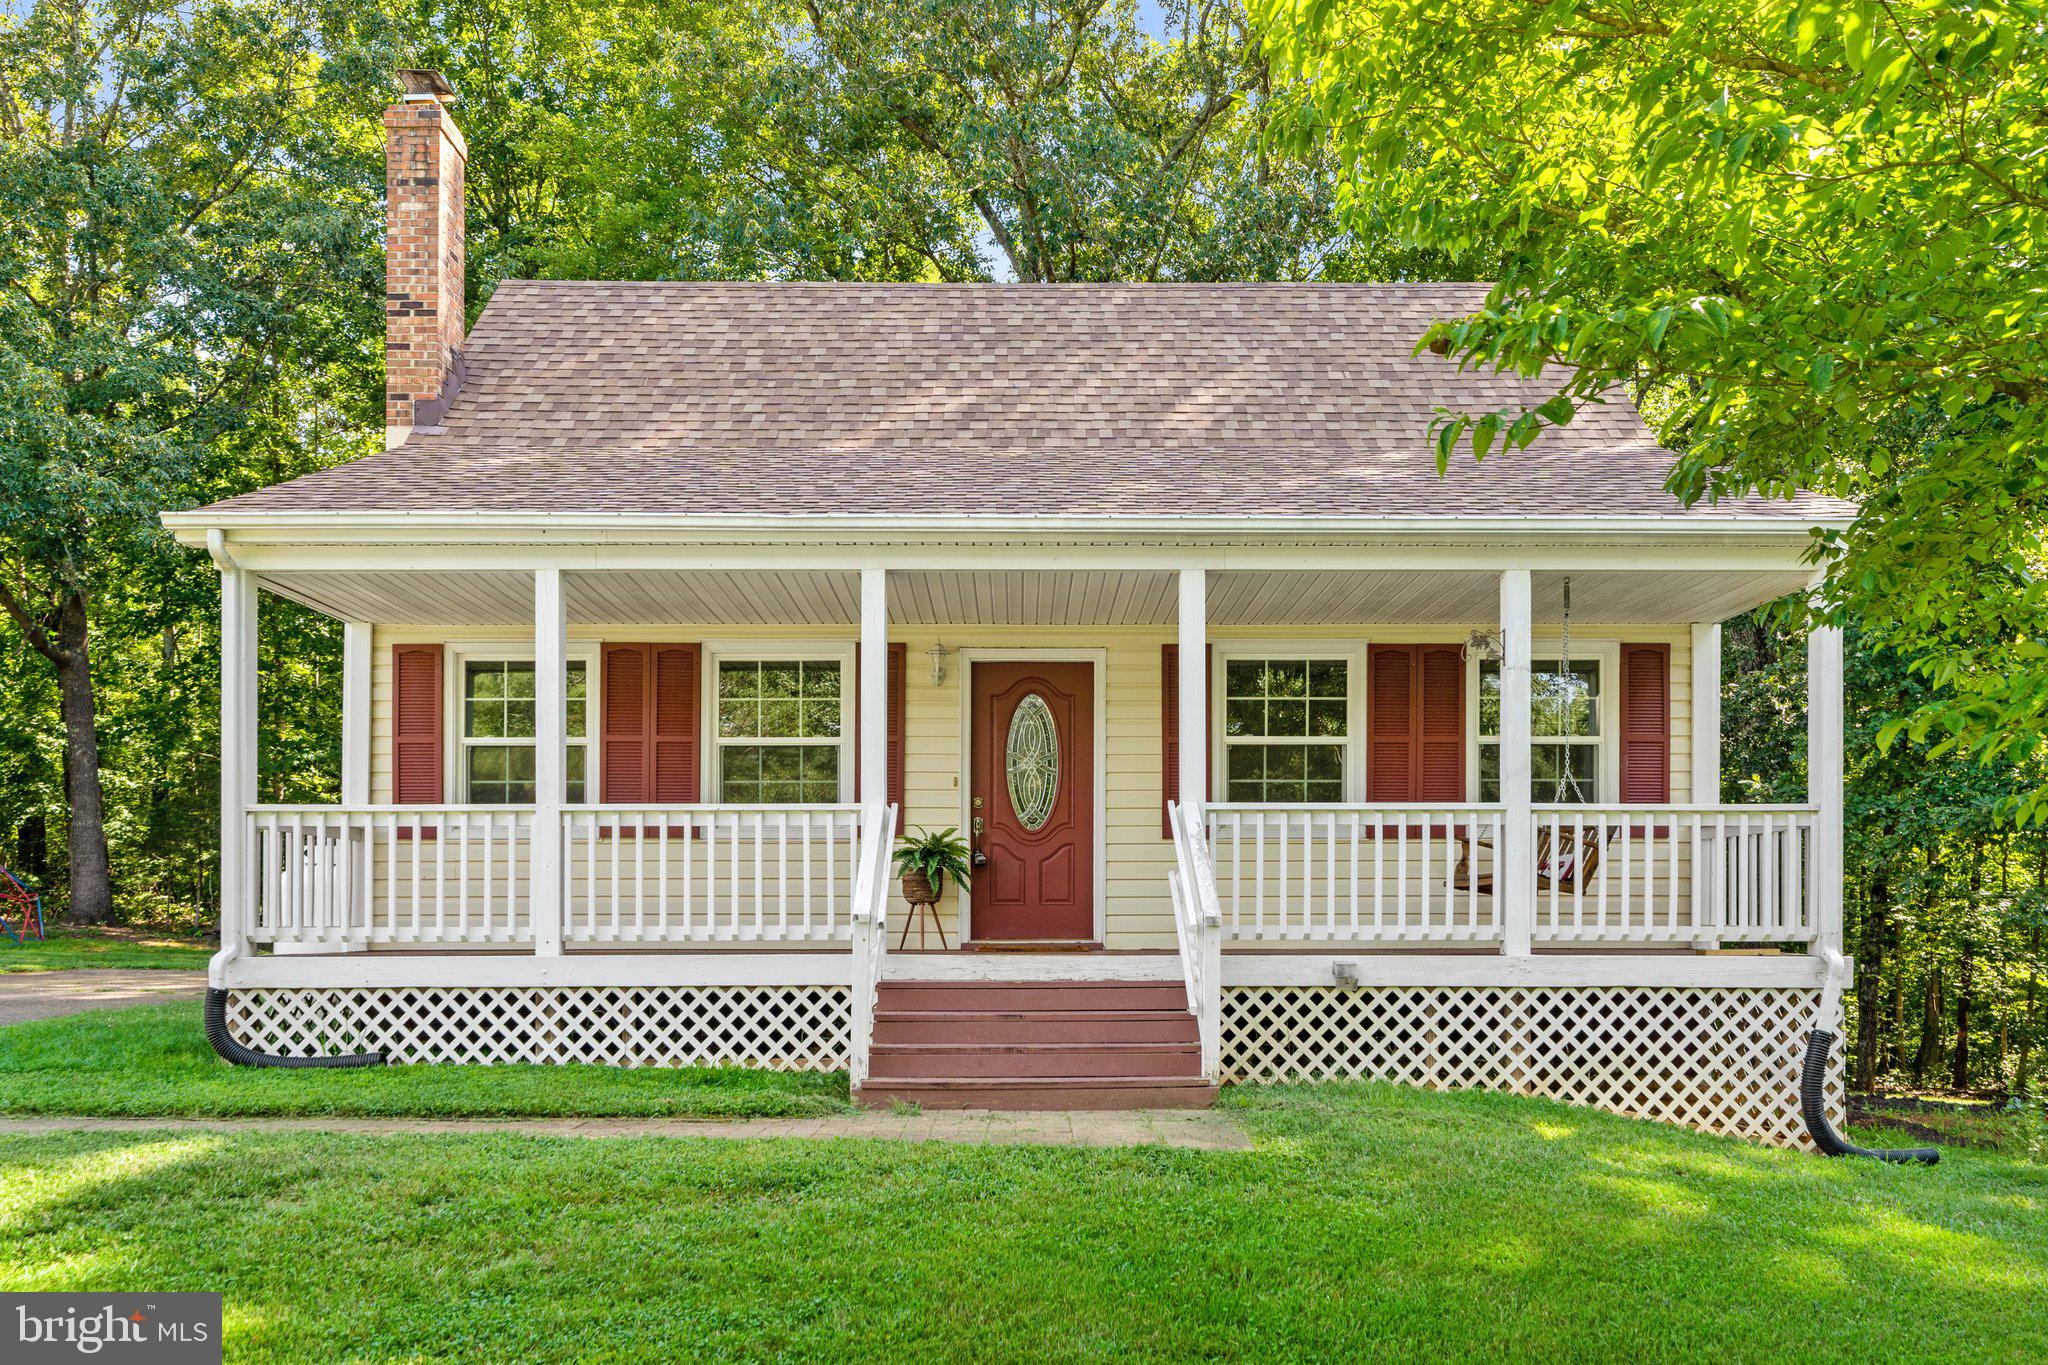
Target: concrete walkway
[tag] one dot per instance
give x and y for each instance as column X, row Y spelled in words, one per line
column 51, row 995
column 1200, row 1129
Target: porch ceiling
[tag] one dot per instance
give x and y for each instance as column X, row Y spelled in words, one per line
column 1022, row 598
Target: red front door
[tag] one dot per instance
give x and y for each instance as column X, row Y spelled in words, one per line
column 1032, row 801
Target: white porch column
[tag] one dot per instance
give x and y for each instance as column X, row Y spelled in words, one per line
column 1515, row 872
column 355, row 713
column 1706, row 714
column 1193, row 702
column 238, row 739
column 550, row 762
column 1824, row 780
column 874, row 685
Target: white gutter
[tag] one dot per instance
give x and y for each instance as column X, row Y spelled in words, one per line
column 572, row 527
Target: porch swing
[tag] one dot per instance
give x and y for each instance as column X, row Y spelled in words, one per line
column 1568, row 858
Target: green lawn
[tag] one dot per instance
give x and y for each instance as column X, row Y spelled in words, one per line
column 1366, row 1220
column 154, row 1060
column 68, row 948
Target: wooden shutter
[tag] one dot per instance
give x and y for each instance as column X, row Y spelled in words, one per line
column 1390, row 717
column 899, row 686
column 1646, row 723
column 674, row 766
column 1440, row 723
column 622, row 725
column 648, row 725
column 416, row 725
column 1415, row 723
column 1169, row 712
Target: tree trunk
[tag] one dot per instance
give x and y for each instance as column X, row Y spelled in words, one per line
column 1869, row 986
column 2022, row 1076
column 1928, row 1058
column 92, row 887
column 1959, row 1073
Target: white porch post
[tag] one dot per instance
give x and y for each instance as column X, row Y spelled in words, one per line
column 1193, row 702
column 1706, row 714
column 1515, row 873
column 1824, row 780
column 550, row 762
column 237, row 754
column 355, row 713
column 874, row 686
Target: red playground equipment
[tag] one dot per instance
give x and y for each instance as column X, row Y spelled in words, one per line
column 18, row 903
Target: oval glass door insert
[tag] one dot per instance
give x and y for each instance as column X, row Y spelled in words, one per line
column 1031, row 761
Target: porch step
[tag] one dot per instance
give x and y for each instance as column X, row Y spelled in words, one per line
column 984, row 996
column 1045, row 1092
column 1036, row 1045
column 1034, row 1026
column 1018, row 1060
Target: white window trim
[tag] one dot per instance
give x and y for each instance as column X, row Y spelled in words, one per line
column 1607, row 653
column 455, row 771
column 1352, row 652
column 844, row 652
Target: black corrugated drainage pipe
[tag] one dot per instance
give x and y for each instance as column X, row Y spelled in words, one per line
column 224, row 1043
column 1813, row 1077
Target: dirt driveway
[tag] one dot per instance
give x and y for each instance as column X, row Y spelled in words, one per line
column 50, row 995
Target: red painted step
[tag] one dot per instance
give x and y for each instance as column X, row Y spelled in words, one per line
column 962, row 1060
column 982, row 996
column 1036, row 1045
column 1034, row 1026
column 1047, row 1092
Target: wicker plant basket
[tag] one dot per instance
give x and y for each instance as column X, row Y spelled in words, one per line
column 918, row 889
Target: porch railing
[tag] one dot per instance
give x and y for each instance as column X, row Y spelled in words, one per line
column 1700, row 875
column 1356, row 872
column 463, row 875
column 1198, row 927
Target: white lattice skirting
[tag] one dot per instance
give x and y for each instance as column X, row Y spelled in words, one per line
column 786, row 1028
column 1720, row 1060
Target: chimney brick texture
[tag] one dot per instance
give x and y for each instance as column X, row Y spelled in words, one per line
column 423, row 276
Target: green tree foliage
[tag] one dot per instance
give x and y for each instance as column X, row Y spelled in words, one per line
column 1944, row 906
column 1808, row 231
column 182, row 246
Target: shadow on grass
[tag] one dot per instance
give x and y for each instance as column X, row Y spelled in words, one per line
column 1367, row 1219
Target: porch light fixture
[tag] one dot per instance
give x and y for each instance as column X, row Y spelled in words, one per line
column 938, row 654
column 1485, row 644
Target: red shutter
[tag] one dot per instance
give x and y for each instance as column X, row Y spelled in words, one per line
column 674, row 773
column 1646, row 723
column 899, row 684
column 648, row 725
column 1169, row 712
column 416, row 727
column 1415, row 723
column 1390, row 717
column 622, row 725
column 1440, row 723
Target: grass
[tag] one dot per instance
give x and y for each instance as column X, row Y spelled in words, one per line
column 66, row 949
column 153, row 1060
column 1366, row 1220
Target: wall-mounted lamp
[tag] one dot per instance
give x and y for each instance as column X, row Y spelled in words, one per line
column 938, row 654
column 1485, row 644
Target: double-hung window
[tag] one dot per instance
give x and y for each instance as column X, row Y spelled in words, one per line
column 1287, row 727
column 781, row 729
column 497, row 737
column 1567, row 728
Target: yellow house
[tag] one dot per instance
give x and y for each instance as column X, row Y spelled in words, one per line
column 1278, row 752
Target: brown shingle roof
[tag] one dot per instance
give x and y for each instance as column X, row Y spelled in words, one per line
column 1080, row 400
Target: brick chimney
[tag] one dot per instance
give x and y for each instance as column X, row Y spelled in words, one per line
column 424, row 156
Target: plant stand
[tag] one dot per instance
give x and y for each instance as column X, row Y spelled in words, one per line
column 917, row 917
